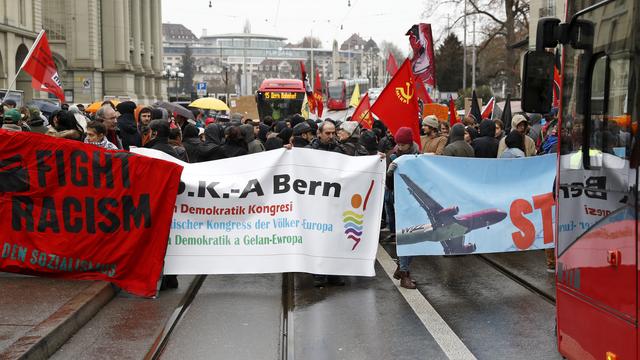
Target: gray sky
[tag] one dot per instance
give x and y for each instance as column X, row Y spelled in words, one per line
column 380, row 19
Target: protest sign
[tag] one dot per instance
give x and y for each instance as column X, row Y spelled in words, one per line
column 299, row 210
column 73, row 210
column 452, row 205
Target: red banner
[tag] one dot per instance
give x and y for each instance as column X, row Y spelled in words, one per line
column 423, row 60
column 76, row 211
column 317, row 94
column 39, row 64
column 307, row 88
column 362, row 113
column 397, row 104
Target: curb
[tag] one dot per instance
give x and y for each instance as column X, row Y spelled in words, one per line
column 44, row 339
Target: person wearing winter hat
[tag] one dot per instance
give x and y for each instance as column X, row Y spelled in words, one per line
column 404, row 146
column 127, row 125
column 369, row 140
column 457, row 145
column 520, row 124
column 432, row 141
column 348, row 139
column 36, row 123
column 302, row 135
column 11, row 119
column 348, row 129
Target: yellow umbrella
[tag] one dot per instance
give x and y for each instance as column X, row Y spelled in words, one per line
column 210, row 103
column 98, row 104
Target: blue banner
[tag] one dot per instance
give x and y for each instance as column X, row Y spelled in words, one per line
column 453, row 205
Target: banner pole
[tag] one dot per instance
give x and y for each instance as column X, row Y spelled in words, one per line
column 15, row 78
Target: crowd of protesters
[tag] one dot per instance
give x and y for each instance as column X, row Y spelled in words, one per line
column 213, row 137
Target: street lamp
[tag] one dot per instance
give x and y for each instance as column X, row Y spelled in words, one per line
column 172, row 73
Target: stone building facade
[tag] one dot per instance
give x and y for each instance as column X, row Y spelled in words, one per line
column 102, row 48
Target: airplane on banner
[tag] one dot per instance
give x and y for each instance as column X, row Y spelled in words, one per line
column 445, row 223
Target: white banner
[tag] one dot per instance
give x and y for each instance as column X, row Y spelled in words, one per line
column 298, row 210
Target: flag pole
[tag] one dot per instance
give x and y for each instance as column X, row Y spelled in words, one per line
column 15, row 78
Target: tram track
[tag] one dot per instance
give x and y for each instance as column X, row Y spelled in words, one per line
column 158, row 346
column 517, row 279
column 286, row 325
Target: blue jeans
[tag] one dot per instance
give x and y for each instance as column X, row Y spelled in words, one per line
column 404, row 261
column 389, row 209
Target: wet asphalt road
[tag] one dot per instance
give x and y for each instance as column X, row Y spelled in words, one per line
column 241, row 316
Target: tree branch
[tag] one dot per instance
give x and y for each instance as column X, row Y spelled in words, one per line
column 482, row 12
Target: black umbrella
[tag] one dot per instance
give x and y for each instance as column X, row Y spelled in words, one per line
column 46, row 107
column 506, row 115
column 475, row 108
column 175, row 108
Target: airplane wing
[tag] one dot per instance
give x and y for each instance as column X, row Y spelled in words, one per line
column 430, row 206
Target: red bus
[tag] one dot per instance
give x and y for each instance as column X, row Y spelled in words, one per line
column 597, row 252
column 339, row 92
column 280, row 98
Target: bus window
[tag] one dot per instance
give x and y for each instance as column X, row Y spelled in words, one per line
column 610, row 121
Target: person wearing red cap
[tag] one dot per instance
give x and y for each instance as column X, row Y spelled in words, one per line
column 404, row 145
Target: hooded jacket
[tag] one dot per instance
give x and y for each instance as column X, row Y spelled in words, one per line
column 486, row 146
column 191, row 143
column 127, row 125
column 253, row 145
column 457, row 146
column 213, row 146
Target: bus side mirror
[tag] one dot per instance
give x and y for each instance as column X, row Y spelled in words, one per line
column 581, row 34
column 547, row 34
column 537, row 82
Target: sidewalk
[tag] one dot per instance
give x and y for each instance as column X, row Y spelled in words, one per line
column 37, row 315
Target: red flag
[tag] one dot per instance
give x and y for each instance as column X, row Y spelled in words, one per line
column 488, row 109
column 556, row 87
column 362, row 114
column 307, row 88
column 77, row 211
column 397, row 104
column 392, row 65
column 422, row 92
column 453, row 113
column 317, row 94
column 423, row 61
column 40, row 65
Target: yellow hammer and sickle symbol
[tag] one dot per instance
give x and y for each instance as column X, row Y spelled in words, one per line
column 408, row 94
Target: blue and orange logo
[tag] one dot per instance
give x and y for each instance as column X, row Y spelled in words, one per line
column 354, row 219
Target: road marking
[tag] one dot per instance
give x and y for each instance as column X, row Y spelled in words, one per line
column 448, row 341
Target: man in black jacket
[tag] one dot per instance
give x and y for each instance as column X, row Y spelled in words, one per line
column 160, row 141
column 326, row 139
column 127, row 125
column 302, row 135
column 486, row 146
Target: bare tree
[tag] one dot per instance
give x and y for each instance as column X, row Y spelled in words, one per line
column 389, row 47
column 505, row 20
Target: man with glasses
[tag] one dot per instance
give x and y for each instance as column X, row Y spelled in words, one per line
column 108, row 116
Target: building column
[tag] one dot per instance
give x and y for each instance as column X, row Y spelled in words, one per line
column 145, row 19
column 156, row 31
column 136, row 56
column 117, row 79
